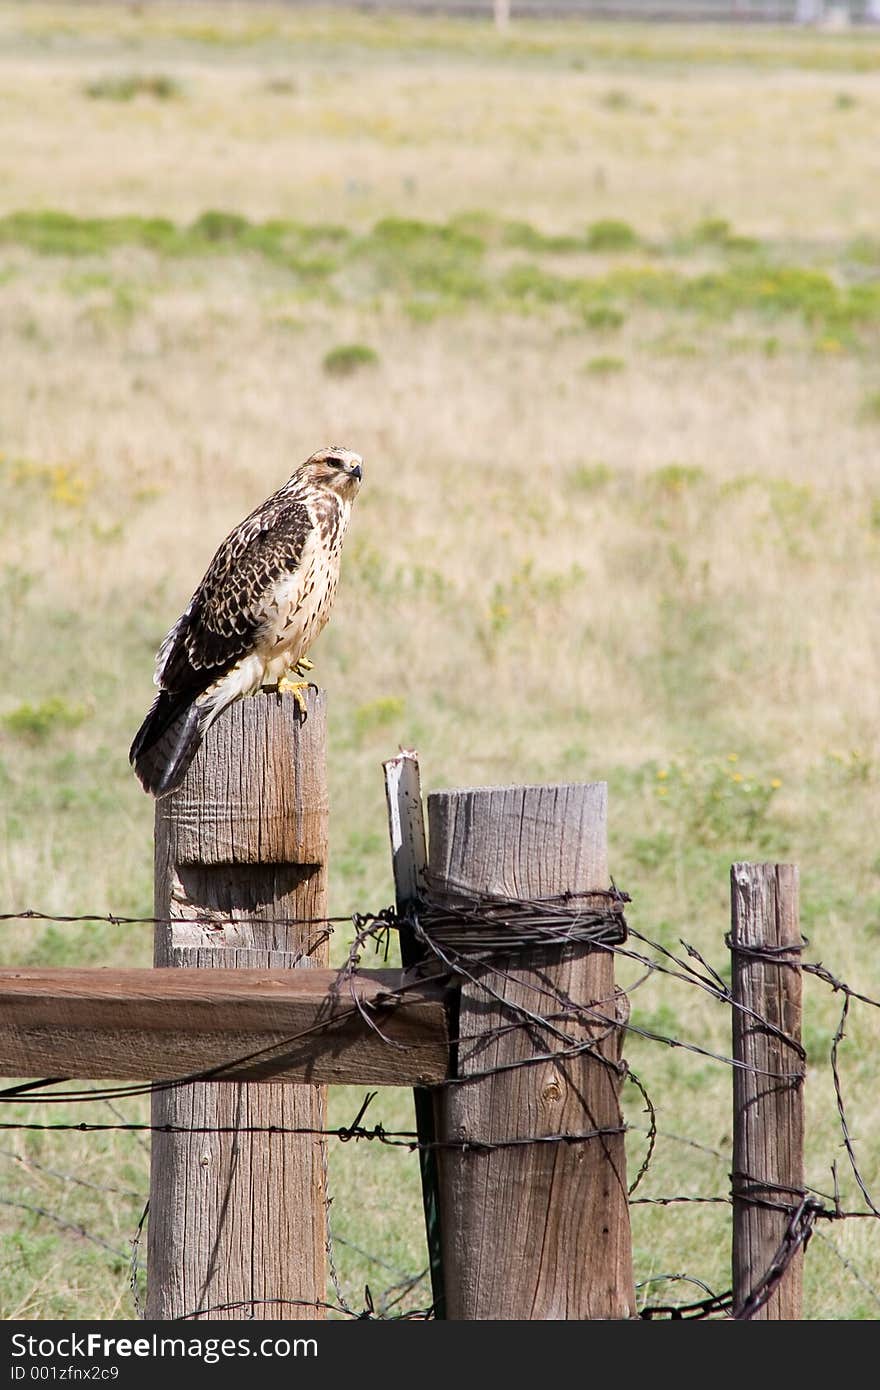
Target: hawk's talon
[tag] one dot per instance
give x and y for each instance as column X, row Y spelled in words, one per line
column 295, row 688
column 302, row 666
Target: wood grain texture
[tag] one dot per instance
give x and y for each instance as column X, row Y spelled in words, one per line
column 241, row 847
column 409, row 859
column 768, row 1110
column 406, row 827
column 542, row 1231
column 137, row 1025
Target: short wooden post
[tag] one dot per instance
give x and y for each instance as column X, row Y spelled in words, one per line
column 409, row 859
column 768, row 1098
column 241, row 849
column 532, row 1231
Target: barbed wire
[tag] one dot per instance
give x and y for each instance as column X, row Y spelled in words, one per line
column 134, row 1268
column 796, row 1236
column 31, row 1164
column 390, row 1297
column 848, row 1265
column 481, row 941
column 205, row 920
column 74, row 1226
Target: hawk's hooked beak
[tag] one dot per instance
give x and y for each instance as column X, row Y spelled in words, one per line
column 356, row 471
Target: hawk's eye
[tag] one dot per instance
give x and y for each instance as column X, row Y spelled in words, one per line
column 336, row 463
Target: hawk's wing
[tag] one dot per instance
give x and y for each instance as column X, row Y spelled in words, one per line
column 229, row 607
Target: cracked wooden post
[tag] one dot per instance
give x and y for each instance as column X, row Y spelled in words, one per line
column 768, row 1111
column 534, row 1231
column 409, row 861
column 241, row 847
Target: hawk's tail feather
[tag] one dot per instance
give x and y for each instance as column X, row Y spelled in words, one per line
column 166, row 743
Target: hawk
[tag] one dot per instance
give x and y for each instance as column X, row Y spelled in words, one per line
column 266, row 595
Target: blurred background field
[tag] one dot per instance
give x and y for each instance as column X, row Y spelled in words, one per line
column 600, row 305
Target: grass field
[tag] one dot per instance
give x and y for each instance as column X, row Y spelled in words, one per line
column 601, row 308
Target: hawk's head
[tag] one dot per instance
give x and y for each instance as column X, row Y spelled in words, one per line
column 340, row 470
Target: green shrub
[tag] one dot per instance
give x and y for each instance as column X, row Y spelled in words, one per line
column 714, row 806
column 712, row 231
column 377, row 714
column 434, row 259
column 611, row 234
column 62, row 234
column 870, row 407
column 528, row 238
column 676, row 477
column 603, row 317
column 605, row 366
column 37, row 722
column 865, row 250
column 348, row 358
column 127, row 86
column 530, row 282
column 590, row 477
column 617, row 100
column 216, row 225
column 281, row 86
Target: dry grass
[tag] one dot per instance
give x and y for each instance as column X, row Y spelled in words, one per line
column 346, row 117
column 662, row 575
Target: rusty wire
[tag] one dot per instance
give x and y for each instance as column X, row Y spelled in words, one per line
column 478, row 939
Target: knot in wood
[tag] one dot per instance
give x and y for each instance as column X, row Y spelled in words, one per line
column 551, row 1091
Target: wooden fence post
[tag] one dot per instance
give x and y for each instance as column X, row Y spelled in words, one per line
column 533, row 1231
column 768, row 1111
column 409, row 860
column 241, row 848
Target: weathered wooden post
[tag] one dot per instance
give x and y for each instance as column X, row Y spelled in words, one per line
column 409, row 861
column 237, row 1218
column 532, row 1230
column 768, row 1097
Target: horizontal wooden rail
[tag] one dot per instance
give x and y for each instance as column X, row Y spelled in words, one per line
column 155, row 1024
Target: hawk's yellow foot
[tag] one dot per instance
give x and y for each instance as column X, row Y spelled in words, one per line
column 295, row 688
column 302, row 666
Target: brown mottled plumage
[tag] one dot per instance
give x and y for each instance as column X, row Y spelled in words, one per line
column 266, row 595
